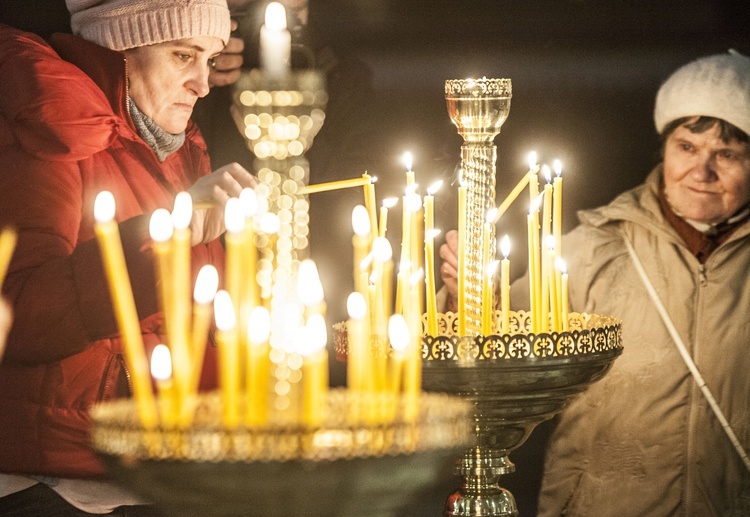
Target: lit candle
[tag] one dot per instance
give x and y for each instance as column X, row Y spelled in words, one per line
column 545, row 263
column 398, row 335
column 382, row 253
column 387, row 204
column 314, row 371
column 534, row 273
column 182, row 213
column 505, row 285
column 336, row 185
column 501, row 209
column 462, row 193
column 361, row 244
column 554, row 297
column 250, row 292
column 206, row 286
column 258, row 366
column 533, row 179
column 358, row 340
column 408, row 162
column 108, row 236
column 557, row 187
column 8, row 240
column 413, row 370
column 160, row 229
column 413, row 202
column 229, row 355
column 275, row 42
column 234, row 220
column 370, row 205
column 161, row 371
column 432, row 311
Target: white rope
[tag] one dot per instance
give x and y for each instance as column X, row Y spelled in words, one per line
column 686, row 356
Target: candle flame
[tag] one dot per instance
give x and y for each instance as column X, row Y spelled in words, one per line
column 560, row 265
column 365, row 264
column 206, row 285
column 224, row 311
column 161, row 363
column 275, row 17
column 182, row 211
column 431, row 234
column 258, row 325
column 532, row 161
column 551, row 242
column 492, row 267
column 460, row 177
column 432, row 189
column 374, row 179
column 547, row 173
column 505, row 246
column 536, row 203
column 382, row 249
column 390, row 202
column 408, row 161
column 317, row 335
column 160, row 225
column 412, row 202
column 234, row 216
column 398, row 332
column 491, row 215
column 356, row 306
column 104, row 207
column 557, row 165
column 270, row 223
column 249, row 200
column 415, row 277
column 361, row 221
column 309, row 287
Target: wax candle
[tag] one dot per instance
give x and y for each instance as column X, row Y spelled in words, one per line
column 413, row 366
column 370, row 205
column 314, row 371
column 546, row 231
column 382, row 253
column 358, row 339
column 336, row 185
column 8, row 240
column 398, row 335
column 505, row 285
column 488, row 309
column 181, row 277
column 554, row 296
column 503, row 207
column 406, row 261
column 108, row 237
column 487, row 245
column 206, row 286
column 250, row 293
column 275, row 42
column 430, row 284
column 534, row 273
column 557, row 187
column 414, row 204
column 564, row 295
column 234, row 220
column 161, row 371
column 228, row 343
column 160, row 229
column 361, row 244
column 462, row 269
column 533, row 179
column 388, row 203
column 408, row 162
column 258, row 366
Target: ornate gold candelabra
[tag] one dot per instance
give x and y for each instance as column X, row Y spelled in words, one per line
column 478, row 108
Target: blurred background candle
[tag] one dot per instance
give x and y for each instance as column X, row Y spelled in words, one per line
column 258, row 366
column 161, row 371
column 361, row 244
column 275, row 42
column 505, row 285
column 206, row 286
column 557, row 206
column 182, row 213
column 314, row 371
column 227, row 339
column 388, row 203
column 398, row 335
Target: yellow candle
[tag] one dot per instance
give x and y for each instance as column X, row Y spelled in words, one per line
column 250, row 292
column 160, row 229
column 388, row 203
column 533, row 179
column 462, row 193
column 8, row 240
column 361, row 244
column 557, row 207
column 413, row 366
column 228, row 343
column 416, row 238
column 161, row 371
column 405, row 264
column 505, row 285
column 503, row 207
column 554, row 297
column 358, row 339
column 182, row 282
column 546, row 228
column 408, row 162
column 382, row 252
column 234, row 220
column 486, row 277
column 370, row 205
column 206, row 286
column 488, row 309
column 258, row 366
column 432, row 311
column 314, row 372
column 534, row 273
column 108, row 236
column 335, row 185
column 398, row 335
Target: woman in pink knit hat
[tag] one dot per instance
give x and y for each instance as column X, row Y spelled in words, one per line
column 105, row 109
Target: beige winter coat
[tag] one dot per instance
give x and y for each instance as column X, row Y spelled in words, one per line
column 643, row 441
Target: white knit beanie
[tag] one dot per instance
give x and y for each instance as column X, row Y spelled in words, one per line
column 124, row 24
column 714, row 86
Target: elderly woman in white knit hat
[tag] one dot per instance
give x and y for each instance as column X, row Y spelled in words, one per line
column 667, row 431
column 105, row 109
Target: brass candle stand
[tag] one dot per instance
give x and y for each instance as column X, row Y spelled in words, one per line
column 339, row 468
column 478, row 108
column 514, row 381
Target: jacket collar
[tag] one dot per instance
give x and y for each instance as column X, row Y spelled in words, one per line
column 107, row 68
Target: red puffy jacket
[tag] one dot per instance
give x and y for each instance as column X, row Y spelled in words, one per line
column 65, row 135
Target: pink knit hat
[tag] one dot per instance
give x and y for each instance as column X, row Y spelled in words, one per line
column 124, row 24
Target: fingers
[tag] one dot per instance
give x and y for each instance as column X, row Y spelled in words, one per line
column 226, row 67
column 216, row 188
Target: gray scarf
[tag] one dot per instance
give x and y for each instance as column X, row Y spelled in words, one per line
column 160, row 141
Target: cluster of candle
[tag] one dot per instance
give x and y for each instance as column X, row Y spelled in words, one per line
column 242, row 314
column 548, row 279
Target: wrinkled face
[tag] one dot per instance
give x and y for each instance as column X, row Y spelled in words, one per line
column 165, row 80
column 706, row 179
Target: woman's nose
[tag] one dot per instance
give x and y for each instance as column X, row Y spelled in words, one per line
column 198, row 82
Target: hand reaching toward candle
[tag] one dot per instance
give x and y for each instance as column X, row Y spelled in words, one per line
column 449, row 269
column 225, row 68
column 210, row 194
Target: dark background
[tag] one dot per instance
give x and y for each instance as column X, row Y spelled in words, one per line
column 585, row 74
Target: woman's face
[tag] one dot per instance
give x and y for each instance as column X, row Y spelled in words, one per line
column 165, row 80
column 706, row 179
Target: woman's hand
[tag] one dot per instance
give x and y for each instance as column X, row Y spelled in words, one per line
column 210, row 194
column 225, row 68
column 449, row 269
